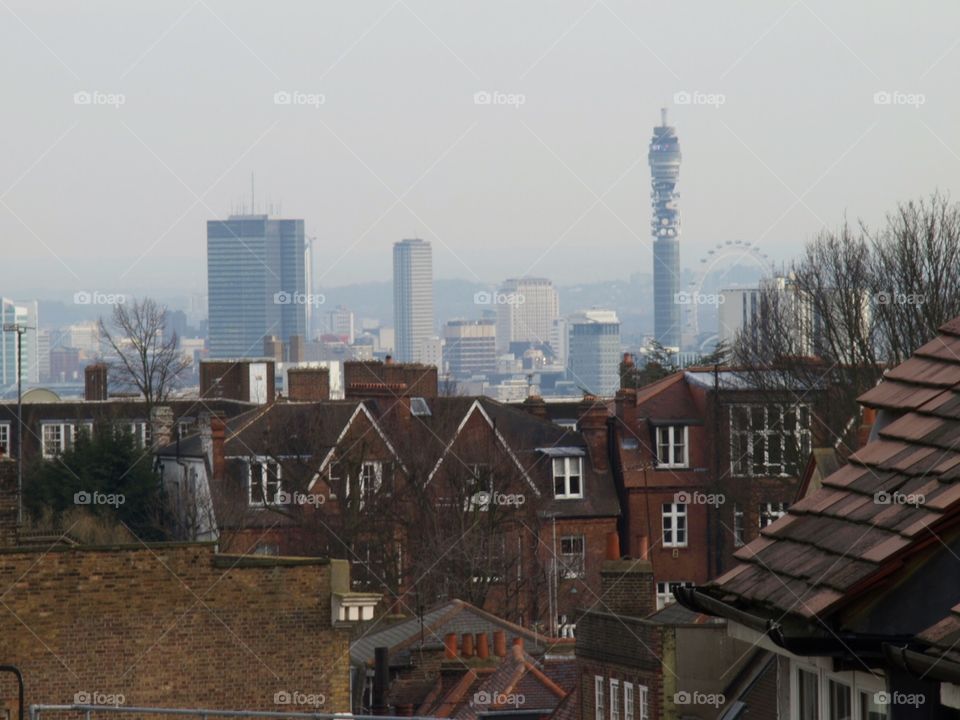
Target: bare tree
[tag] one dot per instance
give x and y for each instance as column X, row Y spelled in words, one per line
column 145, row 359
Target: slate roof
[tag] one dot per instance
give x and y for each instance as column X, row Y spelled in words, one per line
column 831, row 543
column 454, row 616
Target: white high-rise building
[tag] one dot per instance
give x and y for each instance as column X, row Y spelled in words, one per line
column 26, row 315
column 526, row 311
column 412, row 298
column 593, row 363
column 741, row 310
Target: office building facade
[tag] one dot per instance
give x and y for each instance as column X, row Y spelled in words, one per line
column 593, row 362
column 470, row 347
column 412, row 298
column 526, row 311
column 256, row 283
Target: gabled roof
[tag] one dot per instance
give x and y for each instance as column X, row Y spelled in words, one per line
column 454, row 616
column 873, row 511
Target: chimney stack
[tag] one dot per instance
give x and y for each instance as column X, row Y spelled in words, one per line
column 308, row 384
column 626, row 585
column 592, row 424
column 218, row 432
column 95, row 382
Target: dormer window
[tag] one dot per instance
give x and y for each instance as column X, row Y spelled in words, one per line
column 672, row 446
column 263, row 482
column 567, row 477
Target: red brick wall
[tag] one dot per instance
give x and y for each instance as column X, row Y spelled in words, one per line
column 171, row 625
column 585, row 592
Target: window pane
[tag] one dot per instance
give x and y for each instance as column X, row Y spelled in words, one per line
column 841, row 704
column 808, row 697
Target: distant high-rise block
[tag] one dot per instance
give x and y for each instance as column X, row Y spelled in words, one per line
column 412, row 298
column 256, row 283
column 593, row 362
column 664, row 158
column 526, row 311
column 25, row 315
column 470, row 347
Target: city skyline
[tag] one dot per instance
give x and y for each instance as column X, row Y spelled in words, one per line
column 113, row 129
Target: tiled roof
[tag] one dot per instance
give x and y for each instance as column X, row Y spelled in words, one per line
column 873, row 509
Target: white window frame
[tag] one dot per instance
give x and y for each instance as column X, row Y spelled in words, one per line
column 370, row 470
column 667, row 439
column 264, row 464
column 614, row 699
column 67, row 436
column 674, row 512
column 773, row 430
column 629, row 707
column 665, row 591
column 5, row 438
column 770, row 513
column 572, row 466
column 599, row 696
column 573, row 564
column 859, row 683
column 738, row 527
column 644, row 702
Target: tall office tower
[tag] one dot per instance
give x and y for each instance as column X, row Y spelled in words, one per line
column 664, row 160
column 526, row 309
column 593, row 361
column 24, row 314
column 412, row 297
column 470, row 347
column 256, row 283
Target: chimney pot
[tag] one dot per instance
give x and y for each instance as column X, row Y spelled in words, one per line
column 613, row 546
column 499, row 643
column 466, row 645
column 450, row 646
column 483, row 646
column 518, row 649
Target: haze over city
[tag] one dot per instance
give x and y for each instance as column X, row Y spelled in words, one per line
column 115, row 197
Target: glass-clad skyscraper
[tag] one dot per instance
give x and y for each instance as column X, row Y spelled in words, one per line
column 256, row 283
column 664, row 158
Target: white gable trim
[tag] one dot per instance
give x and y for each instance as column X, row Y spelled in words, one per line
column 516, row 461
column 362, row 407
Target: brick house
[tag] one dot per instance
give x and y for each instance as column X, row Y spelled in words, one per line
column 704, row 461
column 171, row 624
column 854, row 589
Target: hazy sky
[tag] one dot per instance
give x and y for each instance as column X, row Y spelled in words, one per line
column 114, row 196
